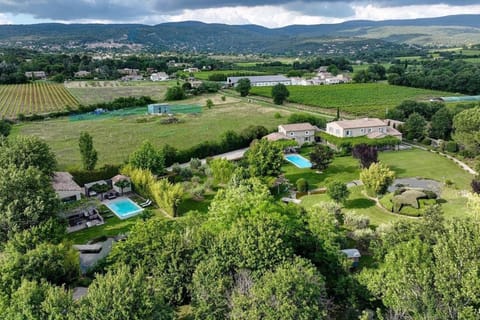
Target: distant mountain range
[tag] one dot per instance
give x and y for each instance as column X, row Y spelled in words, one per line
column 220, row 38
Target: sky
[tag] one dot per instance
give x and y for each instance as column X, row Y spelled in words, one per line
column 268, row 13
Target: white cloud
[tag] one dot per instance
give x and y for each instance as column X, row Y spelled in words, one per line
column 269, row 16
column 4, row 19
column 372, row 12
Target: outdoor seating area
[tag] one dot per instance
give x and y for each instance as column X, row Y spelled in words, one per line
column 84, row 219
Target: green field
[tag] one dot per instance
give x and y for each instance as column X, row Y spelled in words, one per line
column 364, row 99
column 115, row 138
column 37, row 97
column 91, row 92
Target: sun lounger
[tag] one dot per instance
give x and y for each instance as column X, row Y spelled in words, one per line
column 146, row 204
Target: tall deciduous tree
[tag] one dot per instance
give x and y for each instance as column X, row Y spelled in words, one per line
column 338, row 191
column 280, row 93
column 321, row 157
column 87, row 151
column 377, row 178
column 415, row 126
column 467, row 128
column 26, row 199
column 124, row 295
column 148, row 158
column 27, row 151
column 175, row 93
column 222, row 170
column 441, row 125
column 295, row 290
column 365, row 154
column 34, row 300
column 167, row 195
column 243, row 87
column 264, row 158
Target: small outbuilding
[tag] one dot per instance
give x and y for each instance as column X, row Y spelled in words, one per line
column 65, row 187
column 121, row 184
column 158, row 108
column 353, row 255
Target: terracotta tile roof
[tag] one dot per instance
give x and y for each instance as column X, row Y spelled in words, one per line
column 360, row 123
column 275, row 136
column 298, row 127
column 63, row 181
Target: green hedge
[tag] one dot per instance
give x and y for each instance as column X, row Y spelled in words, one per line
column 349, row 143
column 82, row 176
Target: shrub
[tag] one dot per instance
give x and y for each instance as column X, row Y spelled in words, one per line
column 451, row 146
column 338, row 191
column 175, row 93
column 195, row 163
column 356, row 221
column 277, row 115
column 475, row 185
column 302, row 185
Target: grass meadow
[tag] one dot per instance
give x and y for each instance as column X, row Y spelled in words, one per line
column 91, row 92
column 364, row 99
column 115, row 138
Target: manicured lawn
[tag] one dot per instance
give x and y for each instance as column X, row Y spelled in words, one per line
column 425, row 164
column 408, row 163
column 370, row 99
column 115, row 138
column 356, row 203
column 113, row 226
column 344, row 169
column 189, row 204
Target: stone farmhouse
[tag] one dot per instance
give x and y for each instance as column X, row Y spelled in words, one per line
column 300, row 132
column 373, row 128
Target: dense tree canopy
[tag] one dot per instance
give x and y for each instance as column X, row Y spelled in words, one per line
column 280, row 93
column 467, row 128
column 26, row 199
column 148, row 158
column 243, row 87
column 27, row 151
column 264, row 158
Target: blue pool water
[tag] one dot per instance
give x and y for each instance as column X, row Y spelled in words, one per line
column 298, row 161
column 124, row 208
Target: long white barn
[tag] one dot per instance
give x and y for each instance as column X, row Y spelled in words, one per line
column 260, row 81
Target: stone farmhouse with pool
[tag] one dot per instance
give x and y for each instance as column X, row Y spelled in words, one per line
column 300, row 132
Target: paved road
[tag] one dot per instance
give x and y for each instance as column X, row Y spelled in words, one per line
column 232, row 155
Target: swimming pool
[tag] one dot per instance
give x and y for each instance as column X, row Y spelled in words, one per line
column 124, row 208
column 298, row 161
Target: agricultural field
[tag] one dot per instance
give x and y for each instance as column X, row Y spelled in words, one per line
column 34, row 98
column 91, row 92
column 114, row 140
column 364, row 99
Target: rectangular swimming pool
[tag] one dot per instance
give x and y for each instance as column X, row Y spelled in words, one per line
column 298, row 161
column 124, row 208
